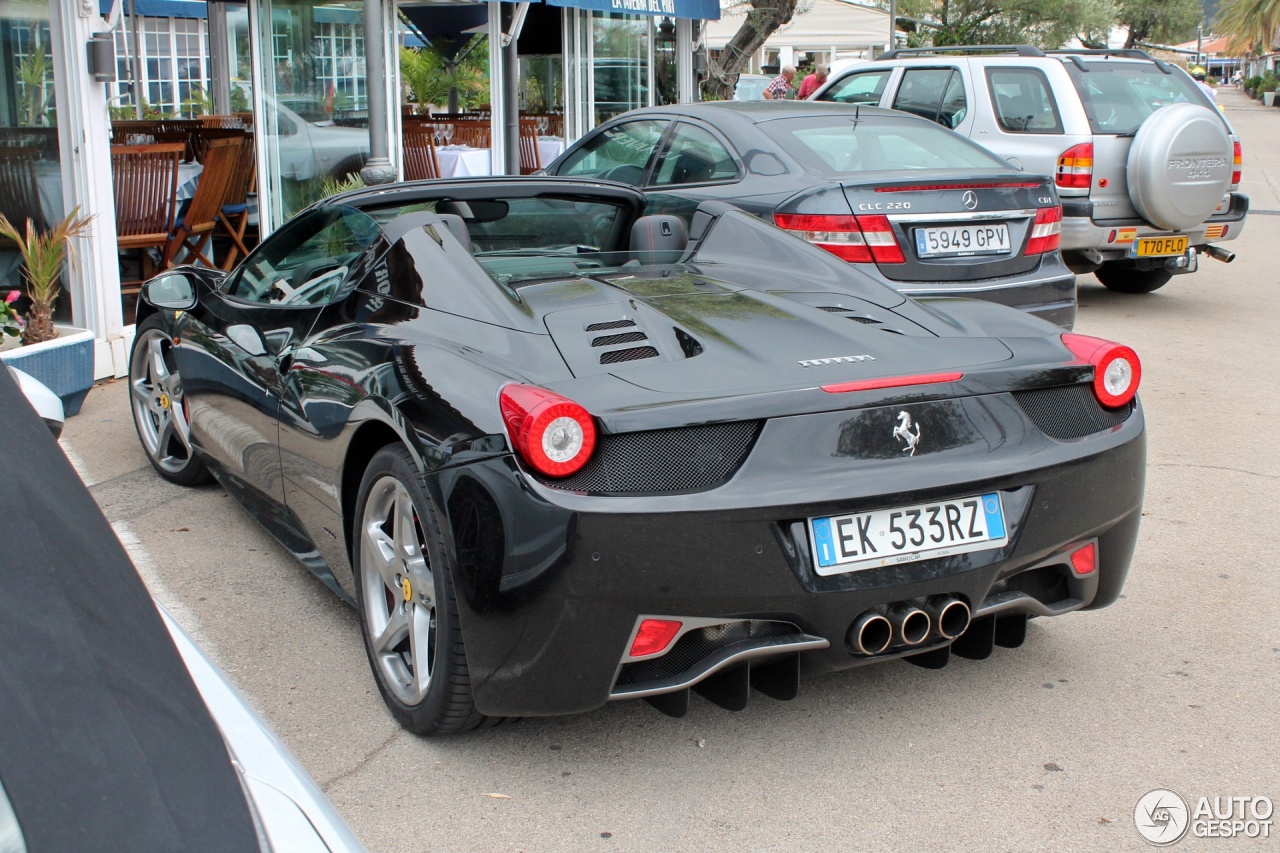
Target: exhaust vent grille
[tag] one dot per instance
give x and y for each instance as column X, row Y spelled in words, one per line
column 684, row 459
column 1066, row 412
column 632, row 354
column 612, row 324
column 624, row 338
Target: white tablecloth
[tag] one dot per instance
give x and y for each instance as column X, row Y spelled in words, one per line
column 458, row 162
column 549, row 148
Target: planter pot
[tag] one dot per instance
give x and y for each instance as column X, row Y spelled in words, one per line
column 1269, row 99
column 65, row 364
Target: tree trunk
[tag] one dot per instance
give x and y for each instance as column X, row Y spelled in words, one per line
column 39, row 326
column 762, row 21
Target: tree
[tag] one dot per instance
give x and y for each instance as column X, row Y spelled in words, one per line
column 1045, row 23
column 1161, row 21
column 1251, row 24
column 764, row 19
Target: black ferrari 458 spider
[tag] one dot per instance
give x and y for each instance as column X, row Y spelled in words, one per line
column 558, row 452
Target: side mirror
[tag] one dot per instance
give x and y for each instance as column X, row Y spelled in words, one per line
column 172, row 291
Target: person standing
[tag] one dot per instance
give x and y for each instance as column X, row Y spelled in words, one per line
column 779, row 88
column 1199, row 74
column 812, row 82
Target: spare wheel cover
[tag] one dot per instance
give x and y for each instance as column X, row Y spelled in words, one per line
column 1180, row 166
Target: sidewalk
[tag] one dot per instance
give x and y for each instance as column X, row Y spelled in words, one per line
column 1257, row 126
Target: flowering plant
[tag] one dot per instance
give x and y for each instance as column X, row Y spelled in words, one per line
column 10, row 323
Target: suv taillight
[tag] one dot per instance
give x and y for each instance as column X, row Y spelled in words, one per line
column 1046, row 233
column 857, row 239
column 1239, row 161
column 1075, row 167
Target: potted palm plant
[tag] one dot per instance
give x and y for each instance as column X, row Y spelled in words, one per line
column 59, row 356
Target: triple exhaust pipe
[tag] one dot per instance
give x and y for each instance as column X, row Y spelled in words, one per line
column 906, row 625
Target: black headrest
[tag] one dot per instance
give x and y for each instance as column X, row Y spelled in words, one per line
column 658, row 239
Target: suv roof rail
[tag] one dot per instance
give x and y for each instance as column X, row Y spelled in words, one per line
column 1019, row 49
column 1127, row 53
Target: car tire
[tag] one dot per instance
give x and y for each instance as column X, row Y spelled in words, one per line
column 159, row 409
column 349, row 166
column 1126, row 278
column 405, row 598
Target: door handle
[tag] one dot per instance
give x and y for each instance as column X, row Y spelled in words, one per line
column 284, row 362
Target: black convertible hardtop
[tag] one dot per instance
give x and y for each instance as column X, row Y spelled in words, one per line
column 105, row 744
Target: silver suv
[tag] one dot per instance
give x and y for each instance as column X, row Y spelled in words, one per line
column 1147, row 168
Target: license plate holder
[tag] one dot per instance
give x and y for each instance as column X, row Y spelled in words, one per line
column 867, row 540
column 956, row 241
column 1160, row 247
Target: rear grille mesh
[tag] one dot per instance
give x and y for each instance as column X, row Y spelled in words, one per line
column 1069, row 411
column 697, row 645
column 614, row 356
column 685, row 459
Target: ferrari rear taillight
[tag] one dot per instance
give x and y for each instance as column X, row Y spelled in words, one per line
column 653, row 636
column 857, row 239
column 1075, row 167
column 551, row 433
column 1046, row 233
column 1239, row 163
column 1116, row 369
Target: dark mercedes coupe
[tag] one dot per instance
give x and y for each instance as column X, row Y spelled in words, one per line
column 559, row 452
column 911, row 202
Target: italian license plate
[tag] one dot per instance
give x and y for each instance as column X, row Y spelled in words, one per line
column 962, row 240
column 1159, row 247
column 886, row 537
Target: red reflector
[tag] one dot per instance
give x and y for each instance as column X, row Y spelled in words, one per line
column 920, row 188
column 654, row 636
column 891, row 382
column 1084, row 560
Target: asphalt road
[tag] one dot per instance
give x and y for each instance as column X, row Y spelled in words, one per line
column 1047, row 746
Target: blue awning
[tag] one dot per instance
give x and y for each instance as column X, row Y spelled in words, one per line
column 161, row 8
column 698, row 10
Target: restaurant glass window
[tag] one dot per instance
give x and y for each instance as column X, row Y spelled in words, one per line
column 315, row 101
column 619, row 63
column 172, row 57
column 32, row 177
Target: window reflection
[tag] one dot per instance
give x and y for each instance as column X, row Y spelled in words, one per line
column 316, row 100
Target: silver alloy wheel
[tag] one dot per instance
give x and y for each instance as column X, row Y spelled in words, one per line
column 398, row 590
column 155, row 390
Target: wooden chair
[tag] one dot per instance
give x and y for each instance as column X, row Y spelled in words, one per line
column 234, row 216
column 146, row 187
column 122, row 132
column 233, row 122
column 19, row 191
column 477, row 133
column 177, row 137
column 195, row 227
column 202, row 136
column 530, row 161
column 420, row 159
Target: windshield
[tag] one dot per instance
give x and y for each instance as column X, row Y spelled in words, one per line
column 1118, row 96
column 843, row 145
